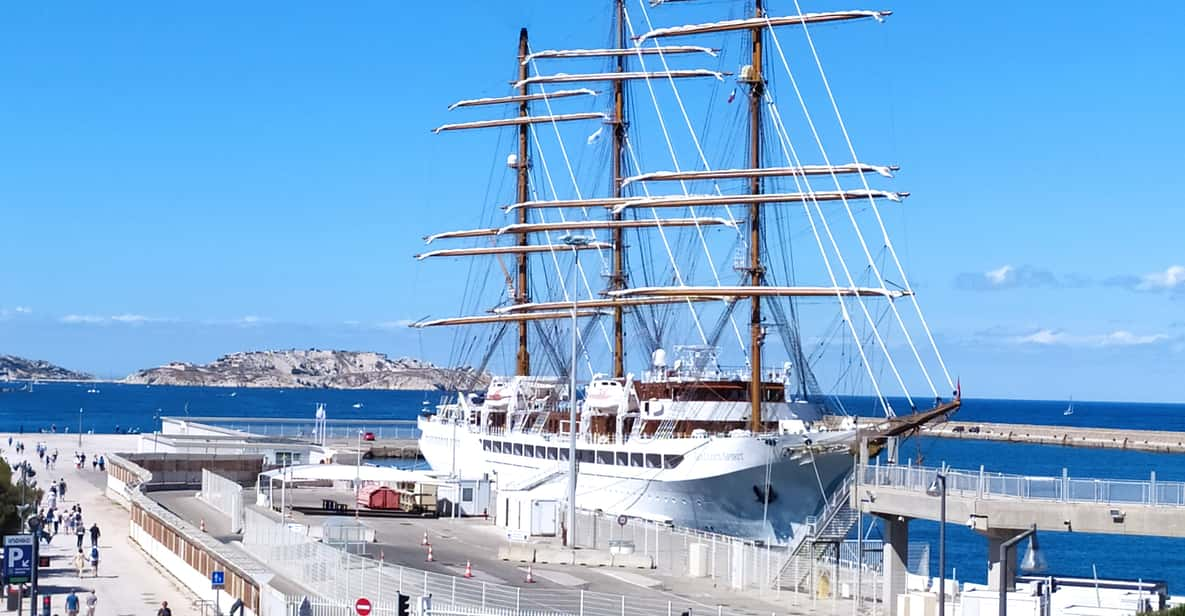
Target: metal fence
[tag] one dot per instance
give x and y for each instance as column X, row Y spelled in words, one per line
column 302, row 428
column 982, row 484
column 339, row 577
column 224, row 495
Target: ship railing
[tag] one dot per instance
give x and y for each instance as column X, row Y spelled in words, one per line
column 983, row 484
column 715, row 373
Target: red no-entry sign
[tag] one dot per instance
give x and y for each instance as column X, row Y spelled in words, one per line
column 362, row 606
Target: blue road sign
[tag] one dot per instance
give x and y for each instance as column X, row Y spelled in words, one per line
column 217, row 579
column 18, row 558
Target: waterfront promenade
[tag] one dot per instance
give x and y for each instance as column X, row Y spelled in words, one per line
column 128, row 582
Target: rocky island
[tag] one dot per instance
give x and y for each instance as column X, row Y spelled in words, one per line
column 13, row 368
column 309, row 368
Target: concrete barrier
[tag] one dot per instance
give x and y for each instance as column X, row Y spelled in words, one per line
column 519, row 552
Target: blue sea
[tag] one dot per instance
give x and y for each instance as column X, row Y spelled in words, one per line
column 125, row 407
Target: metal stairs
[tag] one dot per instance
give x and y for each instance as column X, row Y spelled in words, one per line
column 537, row 479
column 825, row 535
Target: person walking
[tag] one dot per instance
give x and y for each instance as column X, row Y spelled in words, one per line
column 95, row 559
column 79, row 562
column 72, row 604
column 95, row 534
column 80, row 533
column 91, row 600
column 164, row 609
column 62, row 488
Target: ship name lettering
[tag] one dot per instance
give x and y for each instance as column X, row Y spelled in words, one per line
column 720, row 457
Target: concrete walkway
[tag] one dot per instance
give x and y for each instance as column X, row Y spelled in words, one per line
column 129, row 583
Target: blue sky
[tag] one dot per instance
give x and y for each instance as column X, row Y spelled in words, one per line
column 181, row 182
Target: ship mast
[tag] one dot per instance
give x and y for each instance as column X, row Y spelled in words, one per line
column 756, row 334
column 521, row 296
column 617, row 279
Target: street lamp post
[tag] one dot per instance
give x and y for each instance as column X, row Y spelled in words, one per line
column 80, row 428
column 357, row 476
column 1033, row 561
column 34, row 523
column 938, row 488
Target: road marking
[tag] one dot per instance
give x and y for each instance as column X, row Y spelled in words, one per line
column 556, row 577
column 632, row 578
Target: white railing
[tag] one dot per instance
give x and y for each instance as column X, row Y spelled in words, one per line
column 383, row 429
column 224, row 495
column 339, row 577
column 983, row 484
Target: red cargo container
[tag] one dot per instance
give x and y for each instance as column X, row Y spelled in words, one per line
column 378, row 497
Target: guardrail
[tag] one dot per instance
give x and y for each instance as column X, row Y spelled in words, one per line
column 305, row 428
column 983, row 484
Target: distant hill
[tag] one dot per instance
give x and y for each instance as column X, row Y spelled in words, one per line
column 309, row 368
column 21, row 369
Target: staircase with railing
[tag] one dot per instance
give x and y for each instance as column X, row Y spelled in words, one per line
column 824, row 533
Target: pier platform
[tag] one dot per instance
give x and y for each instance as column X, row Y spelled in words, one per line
column 1161, row 441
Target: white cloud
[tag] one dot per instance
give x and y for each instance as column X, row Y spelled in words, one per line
column 1171, row 278
column 999, row 276
column 1117, row 338
column 130, row 318
column 23, row 310
column 122, row 319
column 88, row 319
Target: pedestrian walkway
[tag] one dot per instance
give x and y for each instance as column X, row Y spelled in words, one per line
column 128, row 582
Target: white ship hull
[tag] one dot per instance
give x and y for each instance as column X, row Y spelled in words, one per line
column 716, row 484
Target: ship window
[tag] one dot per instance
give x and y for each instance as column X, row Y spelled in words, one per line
column 653, row 460
column 497, row 446
column 671, row 461
column 636, row 460
column 605, row 457
column 485, row 444
column 623, row 458
column 551, row 453
column 586, row 455
column 529, row 451
column 518, row 449
column 564, row 455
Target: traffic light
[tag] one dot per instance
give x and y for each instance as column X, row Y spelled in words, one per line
column 404, row 605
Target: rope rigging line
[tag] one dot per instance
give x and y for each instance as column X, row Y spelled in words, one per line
column 552, row 250
column 793, row 159
column 675, row 161
column 875, row 208
column 856, row 227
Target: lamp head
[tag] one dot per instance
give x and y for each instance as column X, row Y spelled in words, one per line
column 938, row 486
column 1034, row 560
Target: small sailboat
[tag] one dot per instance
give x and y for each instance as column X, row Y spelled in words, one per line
column 357, row 405
column 233, row 394
column 1069, row 409
column 92, row 391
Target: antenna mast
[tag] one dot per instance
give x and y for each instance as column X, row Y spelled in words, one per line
column 521, row 295
column 617, row 279
column 756, row 272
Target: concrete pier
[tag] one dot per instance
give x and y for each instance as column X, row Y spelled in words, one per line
column 1161, row 441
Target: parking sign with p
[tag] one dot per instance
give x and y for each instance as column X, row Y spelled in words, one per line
column 18, row 558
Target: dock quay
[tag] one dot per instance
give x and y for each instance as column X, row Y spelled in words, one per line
column 1158, row 441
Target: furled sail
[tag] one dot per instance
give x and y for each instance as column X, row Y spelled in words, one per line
column 474, row 102
column 624, row 76
column 621, row 203
column 766, row 172
column 602, row 53
column 748, row 291
column 566, row 117
column 606, row 302
column 511, row 250
column 503, row 318
column 761, row 22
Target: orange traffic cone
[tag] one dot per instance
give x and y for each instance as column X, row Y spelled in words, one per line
column 468, row 570
column 530, row 575
column 424, row 541
column 429, row 559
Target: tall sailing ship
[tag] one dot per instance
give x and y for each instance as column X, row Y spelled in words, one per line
column 708, row 206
